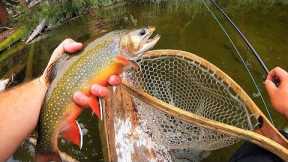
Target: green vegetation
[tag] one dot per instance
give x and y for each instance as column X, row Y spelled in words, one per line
column 59, row 11
column 14, row 37
column 24, row 19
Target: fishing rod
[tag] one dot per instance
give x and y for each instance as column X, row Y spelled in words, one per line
column 247, row 42
column 240, row 56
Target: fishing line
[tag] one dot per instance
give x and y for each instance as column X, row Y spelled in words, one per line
column 247, row 42
column 241, row 58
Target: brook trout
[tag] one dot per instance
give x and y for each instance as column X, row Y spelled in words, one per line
column 105, row 56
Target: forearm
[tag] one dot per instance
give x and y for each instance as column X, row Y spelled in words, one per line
column 19, row 110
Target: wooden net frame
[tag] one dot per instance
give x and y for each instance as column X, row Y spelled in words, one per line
column 266, row 135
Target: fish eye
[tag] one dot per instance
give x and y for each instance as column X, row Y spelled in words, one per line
column 142, row 32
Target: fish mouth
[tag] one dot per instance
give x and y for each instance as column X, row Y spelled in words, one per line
column 148, row 41
column 139, row 41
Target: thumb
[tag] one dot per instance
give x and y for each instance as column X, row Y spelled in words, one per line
column 68, row 45
column 270, row 87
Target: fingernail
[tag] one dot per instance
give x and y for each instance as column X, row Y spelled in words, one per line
column 77, row 96
column 68, row 41
column 77, row 43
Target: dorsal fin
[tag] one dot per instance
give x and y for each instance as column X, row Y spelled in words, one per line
column 56, row 66
column 51, row 72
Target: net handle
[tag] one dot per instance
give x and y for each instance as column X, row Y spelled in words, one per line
column 279, row 144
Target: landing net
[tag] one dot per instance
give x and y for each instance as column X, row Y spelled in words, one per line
column 194, row 86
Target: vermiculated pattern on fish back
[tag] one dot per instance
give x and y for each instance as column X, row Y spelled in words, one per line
column 87, row 66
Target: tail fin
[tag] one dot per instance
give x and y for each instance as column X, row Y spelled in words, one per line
column 46, row 157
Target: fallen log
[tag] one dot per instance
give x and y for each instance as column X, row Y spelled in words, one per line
column 33, row 3
column 5, row 34
column 39, row 28
column 16, row 36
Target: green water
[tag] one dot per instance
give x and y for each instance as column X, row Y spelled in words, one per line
column 185, row 26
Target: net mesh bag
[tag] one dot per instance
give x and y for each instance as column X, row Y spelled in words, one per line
column 191, row 86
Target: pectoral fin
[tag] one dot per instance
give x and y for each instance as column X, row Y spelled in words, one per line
column 73, row 133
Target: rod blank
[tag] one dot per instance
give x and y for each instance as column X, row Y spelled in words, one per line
column 247, row 42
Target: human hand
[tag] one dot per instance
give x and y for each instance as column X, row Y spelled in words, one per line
column 278, row 93
column 67, row 46
column 97, row 90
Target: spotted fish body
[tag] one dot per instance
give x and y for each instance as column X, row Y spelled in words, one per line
column 94, row 65
column 104, row 57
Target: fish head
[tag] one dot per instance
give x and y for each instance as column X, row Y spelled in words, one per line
column 134, row 43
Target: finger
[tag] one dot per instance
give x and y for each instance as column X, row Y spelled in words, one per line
column 99, row 90
column 68, row 45
column 270, row 87
column 114, row 80
column 60, row 49
column 80, row 99
column 72, row 46
column 279, row 73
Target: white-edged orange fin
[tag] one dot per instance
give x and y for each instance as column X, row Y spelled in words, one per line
column 101, row 106
column 73, row 133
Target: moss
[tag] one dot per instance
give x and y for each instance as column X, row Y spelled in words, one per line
column 16, row 36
